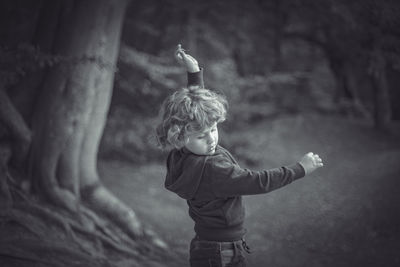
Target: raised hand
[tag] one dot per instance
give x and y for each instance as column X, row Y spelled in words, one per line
column 189, row 62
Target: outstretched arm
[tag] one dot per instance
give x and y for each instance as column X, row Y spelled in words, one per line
column 194, row 72
column 231, row 180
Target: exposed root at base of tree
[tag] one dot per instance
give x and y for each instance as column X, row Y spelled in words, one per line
column 34, row 233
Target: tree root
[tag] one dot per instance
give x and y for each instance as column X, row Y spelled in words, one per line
column 53, row 253
column 71, row 228
column 84, row 232
column 5, row 193
column 28, row 222
column 102, row 226
column 25, row 258
column 17, row 128
column 100, row 199
column 49, row 216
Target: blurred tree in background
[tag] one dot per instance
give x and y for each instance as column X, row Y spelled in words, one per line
column 270, row 58
column 56, row 89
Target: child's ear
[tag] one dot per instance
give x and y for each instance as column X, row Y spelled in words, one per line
column 173, row 134
column 185, row 140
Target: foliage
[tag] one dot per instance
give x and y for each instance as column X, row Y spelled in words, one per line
column 269, row 57
column 16, row 62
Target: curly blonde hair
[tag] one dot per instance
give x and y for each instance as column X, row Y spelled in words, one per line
column 189, row 110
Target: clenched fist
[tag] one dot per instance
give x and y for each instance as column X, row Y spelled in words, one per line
column 311, row 162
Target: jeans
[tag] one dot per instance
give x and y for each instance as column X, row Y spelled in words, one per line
column 205, row 253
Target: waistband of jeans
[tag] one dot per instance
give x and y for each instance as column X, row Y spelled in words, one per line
column 224, row 245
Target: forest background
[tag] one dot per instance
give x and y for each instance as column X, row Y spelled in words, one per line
column 299, row 75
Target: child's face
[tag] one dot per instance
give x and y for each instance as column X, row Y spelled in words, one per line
column 203, row 143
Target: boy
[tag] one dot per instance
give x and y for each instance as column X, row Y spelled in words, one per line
column 207, row 176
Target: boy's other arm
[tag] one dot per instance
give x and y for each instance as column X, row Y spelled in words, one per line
column 232, row 180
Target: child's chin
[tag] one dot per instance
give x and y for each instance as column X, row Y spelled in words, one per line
column 206, row 153
column 211, row 152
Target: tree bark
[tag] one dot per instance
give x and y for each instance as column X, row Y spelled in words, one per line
column 20, row 134
column 191, row 30
column 70, row 115
column 278, row 28
column 23, row 94
column 382, row 106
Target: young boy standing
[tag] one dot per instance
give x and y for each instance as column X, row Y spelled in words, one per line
column 207, row 176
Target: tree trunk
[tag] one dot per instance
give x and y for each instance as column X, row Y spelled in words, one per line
column 71, row 111
column 24, row 93
column 16, row 103
column 278, row 27
column 191, row 30
column 337, row 66
column 382, row 107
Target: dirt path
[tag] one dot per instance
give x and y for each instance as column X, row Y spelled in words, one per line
column 342, row 215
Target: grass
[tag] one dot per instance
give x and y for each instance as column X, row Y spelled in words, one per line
column 345, row 214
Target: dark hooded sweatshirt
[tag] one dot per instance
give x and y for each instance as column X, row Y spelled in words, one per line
column 213, row 186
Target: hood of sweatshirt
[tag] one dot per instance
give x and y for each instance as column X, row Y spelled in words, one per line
column 184, row 172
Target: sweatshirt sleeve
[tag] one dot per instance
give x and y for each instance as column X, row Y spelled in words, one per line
column 196, row 78
column 229, row 179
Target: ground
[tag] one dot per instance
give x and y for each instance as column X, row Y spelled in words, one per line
column 345, row 214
